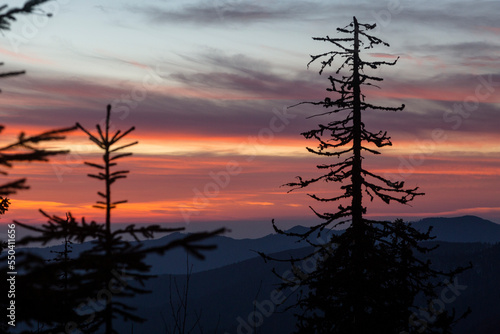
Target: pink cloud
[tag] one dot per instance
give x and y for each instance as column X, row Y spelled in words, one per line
column 29, row 59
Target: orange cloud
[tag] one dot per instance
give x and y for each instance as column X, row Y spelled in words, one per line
column 258, row 203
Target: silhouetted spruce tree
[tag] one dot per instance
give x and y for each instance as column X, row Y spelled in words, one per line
column 366, row 279
column 113, row 268
column 23, row 149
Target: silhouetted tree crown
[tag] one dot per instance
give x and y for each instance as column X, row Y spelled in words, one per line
column 349, row 137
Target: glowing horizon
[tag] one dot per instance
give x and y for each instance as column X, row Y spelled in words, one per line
column 208, row 101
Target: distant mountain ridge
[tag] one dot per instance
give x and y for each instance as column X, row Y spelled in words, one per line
column 451, row 229
column 226, row 298
column 461, row 229
column 230, row 251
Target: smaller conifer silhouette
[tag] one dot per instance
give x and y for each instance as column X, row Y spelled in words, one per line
column 113, row 264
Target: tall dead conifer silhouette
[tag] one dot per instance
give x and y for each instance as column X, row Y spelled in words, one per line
column 367, row 278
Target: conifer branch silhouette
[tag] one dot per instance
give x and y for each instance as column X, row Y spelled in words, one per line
column 10, row 74
column 8, row 15
column 25, row 149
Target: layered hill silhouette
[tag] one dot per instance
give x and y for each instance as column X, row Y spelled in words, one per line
column 461, row 229
column 230, row 251
column 233, row 289
column 238, row 298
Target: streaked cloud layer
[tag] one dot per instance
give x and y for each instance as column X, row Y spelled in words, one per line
column 207, row 83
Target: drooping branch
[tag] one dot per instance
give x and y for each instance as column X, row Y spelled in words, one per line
column 26, row 149
column 8, row 15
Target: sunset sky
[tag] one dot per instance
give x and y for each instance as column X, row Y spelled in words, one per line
column 207, row 83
